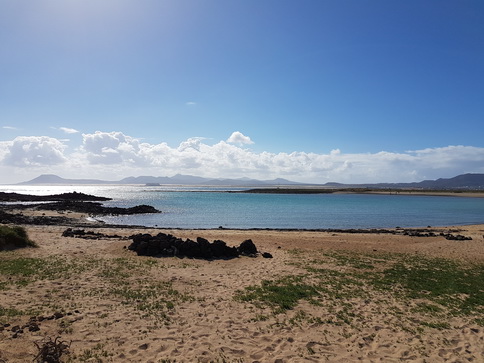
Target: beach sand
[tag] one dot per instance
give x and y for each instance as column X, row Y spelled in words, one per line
column 111, row 305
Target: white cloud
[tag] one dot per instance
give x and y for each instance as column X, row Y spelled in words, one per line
column 68, row 130
column 9, row 128
column 239, row 138
column 191, row 143
column 27, row 151
column 191, row 103
column 110, row 148
column 113, row 155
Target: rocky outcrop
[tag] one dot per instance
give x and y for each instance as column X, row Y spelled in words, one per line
column 19, row 219
column 16, row 197
column 457, row 237
column 81, row 233
column 168, row 245
column 95, row 208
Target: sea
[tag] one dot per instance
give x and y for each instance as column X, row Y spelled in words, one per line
column 215, row 207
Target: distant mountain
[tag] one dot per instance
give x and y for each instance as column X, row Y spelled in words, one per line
column 177, row 179
column 464, row 181
column 54, row 179
column 460, row 182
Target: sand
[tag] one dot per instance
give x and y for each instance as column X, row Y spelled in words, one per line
column 114, row 306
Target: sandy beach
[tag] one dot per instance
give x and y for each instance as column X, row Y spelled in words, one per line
column 110, row 305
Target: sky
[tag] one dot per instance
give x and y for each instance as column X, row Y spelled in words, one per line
column 317, row 91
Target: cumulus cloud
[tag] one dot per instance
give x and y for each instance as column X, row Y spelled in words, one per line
column 110, row 148
column 27, row 151
column 239, row 138
column 192, row 143
column 114, row 155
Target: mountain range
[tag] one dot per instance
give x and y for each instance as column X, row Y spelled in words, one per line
column 178, row 179
column 464, row 181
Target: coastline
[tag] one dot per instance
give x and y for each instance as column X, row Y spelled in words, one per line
column 473, row 194
column 417, row 192
column 114, row 306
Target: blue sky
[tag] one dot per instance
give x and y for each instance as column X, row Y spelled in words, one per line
column 318, row 91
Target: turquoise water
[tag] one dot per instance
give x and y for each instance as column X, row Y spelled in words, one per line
column 189, row 207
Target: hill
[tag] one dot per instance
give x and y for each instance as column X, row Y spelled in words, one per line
column 460, row 182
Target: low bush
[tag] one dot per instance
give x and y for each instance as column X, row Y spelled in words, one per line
column 14, row 237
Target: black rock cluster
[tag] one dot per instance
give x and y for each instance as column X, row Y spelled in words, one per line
column 80, row 233
column 96, row 208
column 168, row 245
column 456, row 237
column 74, row 196
column 18, row 219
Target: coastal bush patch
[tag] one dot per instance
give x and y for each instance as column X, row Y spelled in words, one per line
column 14, row 237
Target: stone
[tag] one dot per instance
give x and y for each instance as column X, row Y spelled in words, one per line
column 247, row 248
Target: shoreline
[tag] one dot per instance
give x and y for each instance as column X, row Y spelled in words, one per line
column 309, row 190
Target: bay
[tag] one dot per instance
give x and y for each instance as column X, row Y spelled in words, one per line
column 205, row 207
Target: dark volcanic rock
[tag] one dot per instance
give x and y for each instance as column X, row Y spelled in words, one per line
column 457, row 237
column 35, row 220
column 80, row 233
column 247, row 248
column 169, row 245
column 96, row 208
column 16, row 197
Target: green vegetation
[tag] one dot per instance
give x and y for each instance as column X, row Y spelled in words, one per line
column 129, row 280
column 281, row 295
column 14, row 237
column 443, row 282
column 25, row 270
column 96, row 355
column 153, row 299
column 7, row 312
column 133, row 282
column 433, row 288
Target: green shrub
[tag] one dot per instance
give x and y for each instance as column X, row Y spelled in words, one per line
column 14, row 237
